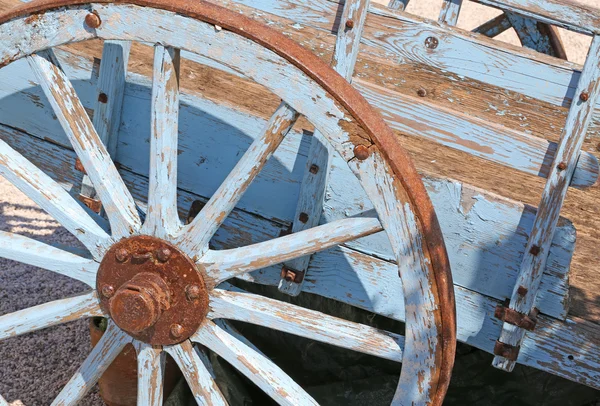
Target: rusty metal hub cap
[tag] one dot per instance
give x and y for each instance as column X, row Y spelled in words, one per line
column 152, row 290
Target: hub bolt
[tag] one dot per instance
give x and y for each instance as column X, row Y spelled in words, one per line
column 192, row 292
column 163, row 254
column 176, row 330
column 122, row 255
column 92, row 20
column 108, row 291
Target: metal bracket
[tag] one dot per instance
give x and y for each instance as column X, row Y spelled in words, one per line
column 292, row 275
column 510, row 352
column 511, row 316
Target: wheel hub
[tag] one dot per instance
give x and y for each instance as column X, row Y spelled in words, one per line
column 152, row 290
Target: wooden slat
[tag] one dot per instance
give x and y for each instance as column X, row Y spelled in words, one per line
column 223, row 265
column 162, row 220
column 450, row 11
column 494, row 27
column 115, row 197
column 533, row 37
column 49, row 314
column 35, row 253
column 398, row 4
column 52, row 198
column 312, row 190
column 491, row 221
column 563, row 13
column 534, row 260
column 203, row 386
column 151, row 369
column 106, row 350
column 256, row 367
column 307, row 323
column 194, row 240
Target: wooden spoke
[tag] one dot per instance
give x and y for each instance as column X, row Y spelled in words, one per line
column 259, row 369
column 162, row 219
column 151, row 369
column 307, row 323
column 52, row 198
column 494, row 27
column 226, row 264
column 31, row 252
column 203, row 386
column 110, row 345
column 49, row 314
column 116, row 199
column 196, row 237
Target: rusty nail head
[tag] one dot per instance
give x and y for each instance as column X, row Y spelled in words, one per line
column 350, row 24
column 432, row 42
column 79, row 165
column 422, row 92
column 361, row 152
column 562, row 166
column 584, row 96
column 176, row 330
column 303, row 218
column 108, row 291
column 535, row 250
column 92, row 20
column 314, row 169
column 522, row 290
column 103, row 98
column 192, row 292
column 163, row 254
column 122, row 255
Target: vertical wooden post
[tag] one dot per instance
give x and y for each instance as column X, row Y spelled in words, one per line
column 314, row 183
column 534, row 260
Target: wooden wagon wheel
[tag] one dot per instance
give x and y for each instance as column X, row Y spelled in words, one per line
column 156, row 280
column 538, row 36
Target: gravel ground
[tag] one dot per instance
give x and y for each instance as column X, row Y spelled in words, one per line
column 34, row 367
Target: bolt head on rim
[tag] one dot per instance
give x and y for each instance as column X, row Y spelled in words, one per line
column 152, row 290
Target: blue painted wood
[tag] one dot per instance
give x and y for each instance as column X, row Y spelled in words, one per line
column 494, row 262
column 151, row 369
column 555, row 191
column 450, row 11
column 494, row 27
column 314, row 185
column 398, row 4
column 530, row 35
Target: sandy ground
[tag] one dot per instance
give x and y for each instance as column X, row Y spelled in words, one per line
column 34, row 367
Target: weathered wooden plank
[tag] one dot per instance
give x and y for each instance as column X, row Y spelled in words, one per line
column 52, row 198
column 106, row 350
column 498, row 227
column 117, row 201
column 307, row 323
column 450, row 11
column 35, row 253
column 563, row 13
column 534, row 36
column 534, row 260
column 162, row 219
column 151, row 369
column 567, row 348
column 3, row 401
column 225, row 264
column 314, row 184
column 494, row 27
column 256, row 367
column 398, row 4
column 203, row 386
column 49, row 314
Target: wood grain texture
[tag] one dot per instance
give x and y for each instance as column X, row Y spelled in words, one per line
column 151, row 369
column 553, row 197
column 203, row 386
column 35, row 253
column 162, row 220
column 52, row 198
column 450, row 12
column 115, row 197
column 494, row 27
column 49, row 314
column 103, row 354
column 256, row 367
column 299, row 321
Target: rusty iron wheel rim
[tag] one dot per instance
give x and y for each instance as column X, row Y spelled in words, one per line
column 380, row 140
